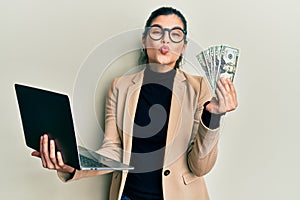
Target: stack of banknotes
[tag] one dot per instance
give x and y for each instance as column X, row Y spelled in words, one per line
column 217, row 62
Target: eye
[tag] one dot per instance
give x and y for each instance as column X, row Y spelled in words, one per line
column 176, row 33
column 156, row 31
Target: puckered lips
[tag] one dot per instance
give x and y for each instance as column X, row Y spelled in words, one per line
column 164, row 49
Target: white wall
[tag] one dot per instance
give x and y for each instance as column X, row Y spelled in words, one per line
column 44, row 43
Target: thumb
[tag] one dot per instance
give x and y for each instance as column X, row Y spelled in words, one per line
column 36, row 154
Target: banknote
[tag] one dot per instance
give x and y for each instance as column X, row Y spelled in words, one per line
column 201, row 60
column 213, row 65
column 229, row 59
column 217, row 62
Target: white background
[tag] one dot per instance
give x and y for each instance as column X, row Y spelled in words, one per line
column 44, row 43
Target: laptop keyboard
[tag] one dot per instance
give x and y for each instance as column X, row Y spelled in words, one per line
column 87, row 162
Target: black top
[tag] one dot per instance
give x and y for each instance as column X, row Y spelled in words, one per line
column 149, row 136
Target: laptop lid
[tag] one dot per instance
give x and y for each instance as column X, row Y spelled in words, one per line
column 49, row 112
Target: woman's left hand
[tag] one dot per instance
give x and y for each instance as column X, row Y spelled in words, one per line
column 227, row 100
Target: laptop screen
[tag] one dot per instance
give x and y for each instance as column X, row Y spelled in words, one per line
column 47, row 112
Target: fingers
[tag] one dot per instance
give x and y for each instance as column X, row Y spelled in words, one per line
column 232, row 89
column 232, row 101
column 220, row 93
column 41, row 150
column 53, row 154
column 62, row 165
column 227, row 95
column 45, row 152
column 60, row 160
column 48, row 153
column 50, row 158
column 36, row 154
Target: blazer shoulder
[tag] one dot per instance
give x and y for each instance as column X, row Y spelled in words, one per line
column 195, row 81
column 125, row 80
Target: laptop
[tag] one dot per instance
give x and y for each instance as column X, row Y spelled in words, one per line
column 49, row 112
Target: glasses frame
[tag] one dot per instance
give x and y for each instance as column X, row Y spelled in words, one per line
column 164, row 31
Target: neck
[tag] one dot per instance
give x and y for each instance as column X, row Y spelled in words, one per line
column 159, row 68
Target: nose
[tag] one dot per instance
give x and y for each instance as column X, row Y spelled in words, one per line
column 165, row 38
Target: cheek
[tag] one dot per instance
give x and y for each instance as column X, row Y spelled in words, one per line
column 153, row 54
column 177, row 49
column 152, row 48
column 151, row 44
column 175, row 52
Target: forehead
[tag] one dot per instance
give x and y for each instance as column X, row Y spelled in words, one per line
column 168, row 21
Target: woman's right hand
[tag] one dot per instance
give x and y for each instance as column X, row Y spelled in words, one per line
column 51, row 159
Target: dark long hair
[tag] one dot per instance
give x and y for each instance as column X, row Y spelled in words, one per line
column 143, row 59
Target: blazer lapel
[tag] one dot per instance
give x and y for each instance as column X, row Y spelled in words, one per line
column 175, row 116
column 131, row 101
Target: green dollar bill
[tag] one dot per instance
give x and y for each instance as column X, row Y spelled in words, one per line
column 229, row 59
column 208, row 62
column 213, row 66
column 217, row 61
column 201, row 60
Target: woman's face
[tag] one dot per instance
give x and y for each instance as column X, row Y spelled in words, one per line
column 164, row 51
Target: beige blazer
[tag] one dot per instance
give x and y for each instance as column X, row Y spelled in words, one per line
column 191, row 147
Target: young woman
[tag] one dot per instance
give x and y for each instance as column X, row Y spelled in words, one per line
column 161, row 120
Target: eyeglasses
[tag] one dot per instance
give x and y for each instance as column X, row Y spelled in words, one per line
column 176, row 34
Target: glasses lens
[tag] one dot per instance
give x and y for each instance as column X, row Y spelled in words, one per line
column 176, row 35
column 156, row 33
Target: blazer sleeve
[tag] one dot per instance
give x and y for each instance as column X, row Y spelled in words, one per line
column 111, row 146
column 203, row 151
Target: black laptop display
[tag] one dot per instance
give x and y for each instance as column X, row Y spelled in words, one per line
column 49, row 112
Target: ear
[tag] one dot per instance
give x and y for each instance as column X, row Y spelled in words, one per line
column 184, row 47
column 144, row 42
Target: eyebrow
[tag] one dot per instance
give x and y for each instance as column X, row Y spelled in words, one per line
column 170, row 28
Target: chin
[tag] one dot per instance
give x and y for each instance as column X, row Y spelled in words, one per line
column 164, row 60
column 167, row 59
